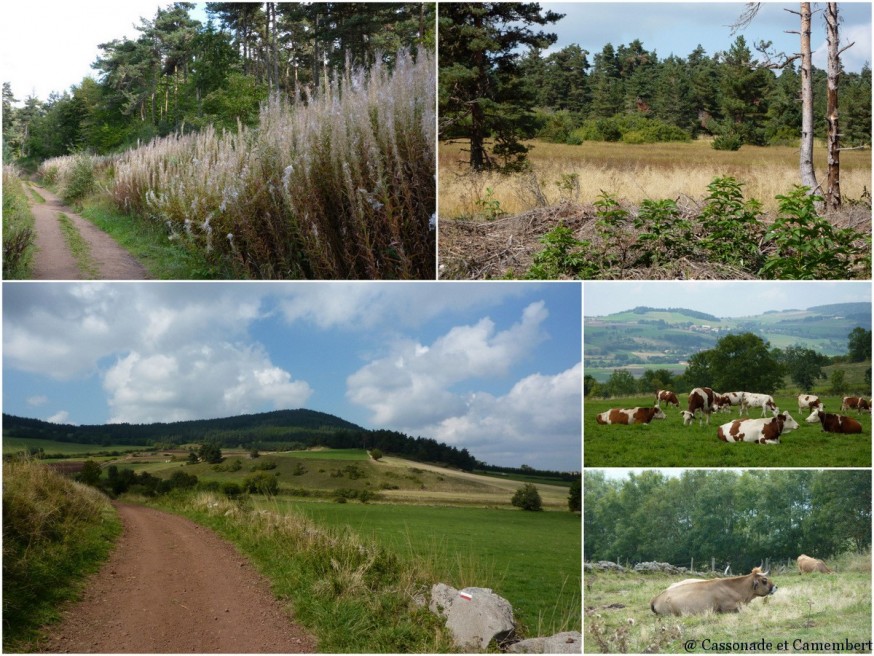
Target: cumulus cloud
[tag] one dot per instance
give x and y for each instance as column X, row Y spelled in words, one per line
column 199, row 381
column 61, row 417
column 412, row 384
column 34, row 401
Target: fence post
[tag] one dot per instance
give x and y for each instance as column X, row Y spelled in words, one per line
column 712, row 564
column 692, row 566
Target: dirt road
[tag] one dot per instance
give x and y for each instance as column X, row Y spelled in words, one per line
column 172, row 586
column 53, row 260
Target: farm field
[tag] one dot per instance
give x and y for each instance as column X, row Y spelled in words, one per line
column 634, row 172
column 497, row 548
column 16, row 444
column 668, row 443
column 815, row 608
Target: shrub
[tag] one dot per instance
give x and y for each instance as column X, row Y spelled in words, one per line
column 574, row 499
column 265, row 465
column 664, row 234
column 81, row 180
column 563, row 256
column 261, row 483
column 376, row 454
column 18, row 234
column 808, row 246
column 558, row 127
column 727, row 141
column 527, row 498
column 733, row 232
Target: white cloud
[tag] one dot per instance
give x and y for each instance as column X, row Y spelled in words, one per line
column 61, row 417
column 411, row 386
column 853, row 58
column 35, row 401
column 199, row 382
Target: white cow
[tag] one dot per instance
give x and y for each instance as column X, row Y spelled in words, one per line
column 809, row 402
column 762, row 431
column 763, row 401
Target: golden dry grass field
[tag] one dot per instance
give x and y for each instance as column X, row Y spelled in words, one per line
column 632, row 173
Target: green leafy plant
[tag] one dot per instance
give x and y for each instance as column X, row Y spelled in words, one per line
column 665, row 235
column 808, row 246
column 527, row 498
column 490, row 206
column 611, row 225
column 563, row 256
column 733, row 230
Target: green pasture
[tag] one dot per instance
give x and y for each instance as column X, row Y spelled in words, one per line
column 502, row 549
column 668, row 443
column 811, row 609
column 18, row 444
column 328, row 454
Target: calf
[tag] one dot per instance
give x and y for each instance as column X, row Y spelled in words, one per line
column 832, row 423
column 761, row 431
column 763, row 401
column 856, row 403
column 630, row 416
column 809, row 402
column 668, row 397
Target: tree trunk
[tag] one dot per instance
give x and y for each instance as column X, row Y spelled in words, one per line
column 833, row 193
column 808, row 176
column 477, row 115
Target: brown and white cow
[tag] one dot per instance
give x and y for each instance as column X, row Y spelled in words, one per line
column 833, row 423
column 761, row 431
column 630, row 415
column 694, row 596
column 734, row 398
column 763, row 401
column 809, row 402
column 668, row 397
column 806, row 565
column 701, row 399
column 856, row 403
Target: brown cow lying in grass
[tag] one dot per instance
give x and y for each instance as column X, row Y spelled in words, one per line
column 630, row 415
column 694, row 596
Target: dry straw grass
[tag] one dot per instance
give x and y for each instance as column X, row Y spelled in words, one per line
column 633, row 173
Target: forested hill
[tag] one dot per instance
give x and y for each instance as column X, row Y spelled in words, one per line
column 283, row 429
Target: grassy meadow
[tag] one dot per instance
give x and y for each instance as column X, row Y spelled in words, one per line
column 484, row 547
column 12, row 444
column 668, row 443
column 632, row 173
column 815, row 608
column 340, row 185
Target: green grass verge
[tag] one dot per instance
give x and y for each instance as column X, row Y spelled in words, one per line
column 816, row 608
column 18, row 229
column 36, row 195
column 55, row 533
column 80, row 248
column 668, row 443
column 149, row 243
column 354, row 595
column 496, row 548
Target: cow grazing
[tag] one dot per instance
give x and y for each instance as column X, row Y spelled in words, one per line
column 694, row 596
column 703, row 399
column 806, row 565
column 763, row 401
column 630, row 415
column 856, row 403
column 761, row 431
column 733, row 398
column 832, row 423
column 809, row 402
column 668, row 397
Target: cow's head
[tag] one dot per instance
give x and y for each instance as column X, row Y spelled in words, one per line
column 659, row 413
column 814, row 417
column 788, row 422
column 688, row 417
column 762, row 585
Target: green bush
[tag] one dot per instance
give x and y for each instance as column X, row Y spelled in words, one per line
column 81, row 180
column 728, row 141
column 630, row 129
column 558, row 127
column 18, row 233
column 261, row 483
column 527, row 498
column 734, row 231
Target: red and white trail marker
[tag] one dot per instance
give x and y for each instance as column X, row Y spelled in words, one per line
column 465, row 595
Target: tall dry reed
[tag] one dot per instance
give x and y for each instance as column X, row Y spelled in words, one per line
column 337, row 185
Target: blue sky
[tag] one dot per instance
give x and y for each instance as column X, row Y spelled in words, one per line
column 491, row 367
column 720, row 298
column 678, row 27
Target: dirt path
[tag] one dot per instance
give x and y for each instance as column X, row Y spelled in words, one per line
column 172, row 586
column 53, row 260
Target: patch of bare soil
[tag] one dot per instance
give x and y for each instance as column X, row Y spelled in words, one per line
column 53, row 260
column 479, row 249
column 171, row 586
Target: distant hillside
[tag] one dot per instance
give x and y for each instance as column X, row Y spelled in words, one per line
column 283, row 429
column 653, row 337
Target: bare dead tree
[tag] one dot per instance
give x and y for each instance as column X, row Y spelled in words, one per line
column 833, row 191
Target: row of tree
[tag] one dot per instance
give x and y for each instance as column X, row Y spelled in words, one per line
column 742, row 362
column 181, row 74
column 737, row 518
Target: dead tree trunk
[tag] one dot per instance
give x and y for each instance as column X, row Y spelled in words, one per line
column 833, row 193
column 808, row 175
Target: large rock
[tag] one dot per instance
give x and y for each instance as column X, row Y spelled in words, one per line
column 570, row 642
column 474, row 616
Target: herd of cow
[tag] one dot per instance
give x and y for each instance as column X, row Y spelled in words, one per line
column 765, row 430
column 691, row 596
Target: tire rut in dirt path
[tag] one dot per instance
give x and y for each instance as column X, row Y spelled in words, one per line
column 171, row 586
column 53, row 260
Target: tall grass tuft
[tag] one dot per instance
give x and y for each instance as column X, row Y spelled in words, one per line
column 336, row 579
column 18, row 233
column 54, row 532
column 335, row 185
